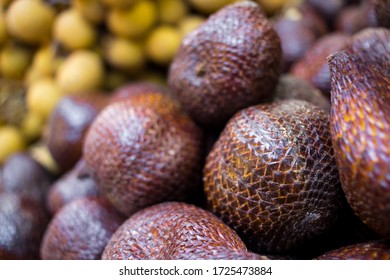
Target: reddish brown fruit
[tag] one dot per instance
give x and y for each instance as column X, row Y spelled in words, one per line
column 272, row 175
column 174, row 230
column 372, row 46
column 229, row 62
column 376, row 250
column 360, row 127
column 80, row 230
column 22, row 175
column 353, row 18
column 22, row 225
column 143, row 151
column 313, row 67
column 68, row 126
column 291, row 87
column 71, row 186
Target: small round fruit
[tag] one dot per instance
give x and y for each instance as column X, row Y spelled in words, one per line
column 82, row 71
column 14, row 61
column 171, row 11
column 119, row 3
column 92, row 10
column 30, row 21
column 73, row 31
column 124, row 54
column 43, row 96
column 32, row 126
column 80, row 230
column 134, row 21
column 272, row 6
column 189, row 23
column 11, row 140
column 162, row 44
column 208, row 7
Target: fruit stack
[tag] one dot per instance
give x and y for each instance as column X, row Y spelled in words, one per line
column 264, row 136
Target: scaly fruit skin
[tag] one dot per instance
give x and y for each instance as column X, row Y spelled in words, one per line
column 144, row 150
column 229, row 62
column 272, row 175
column 360, row 127
column 376, row 250
column 175, row 230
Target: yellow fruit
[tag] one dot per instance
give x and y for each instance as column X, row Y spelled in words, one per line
column 92, row 10
column 208, row 6
column 124, row 54
column 73, row 31
column 189, row 23
column 134, row 21
column 32, row 125
column 82, row 71
column 43, row 96
column 11, row 140
column 119, row 3
column 3, row 28
column 44, row 64
column 171, row 11
column 14, row 61
column 30, row 21
column 41, row 154
column 272, row 6
column 162, row 44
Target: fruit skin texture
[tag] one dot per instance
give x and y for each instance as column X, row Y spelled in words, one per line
column 382, row 10
column 175, row 230
column 68, row 125
column 375, row 250
column 272, row 175
column 229, row 62
column 22, row 224
column 144, row 150
column 360, row 128
column 80, row 230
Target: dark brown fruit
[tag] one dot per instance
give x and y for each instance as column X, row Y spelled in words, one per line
column 298, row 28
column 313, row 67
column 22, row 175
column 378, row 250
column 229, row 62
column 272, row 175
column 328, row 9
column 68, row 126
column 360, row 127
column 372, row 46
column 143, row 151
column 80, row 230
column 382, row 9
column 353, row 18
column 291, row 87
column 22, row 225
column 71, row 186
column 174, row 230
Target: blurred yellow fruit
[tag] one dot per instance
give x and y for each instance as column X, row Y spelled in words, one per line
column 162, row 44
column 171, row 11
column 30, row 21
column 3, row 28
column 124, row 54
column 272, row 6
column 32, row 125
column 92, row 10
column 43, row 96
column 82, row 71
column 44, row 64
column 134, row 21
column 41, row 154
column 119, row 3
column 14, row 61
column 208, row 6
column 73, row 31
column 11, row 140
column 190, row 23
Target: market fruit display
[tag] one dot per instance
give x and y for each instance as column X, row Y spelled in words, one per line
column 193, row 129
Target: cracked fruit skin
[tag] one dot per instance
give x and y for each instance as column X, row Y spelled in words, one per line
column 360, row 127
column 144, row 150
column 272, row 175
column 231, row 61
column 175, row 230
